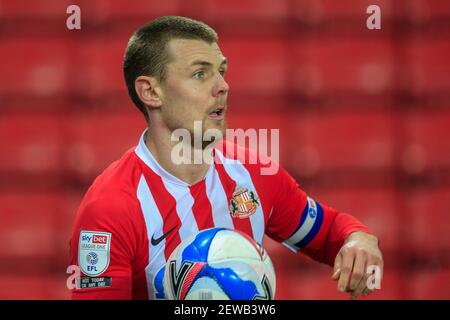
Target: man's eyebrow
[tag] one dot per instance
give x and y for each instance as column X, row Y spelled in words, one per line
column 207, row 63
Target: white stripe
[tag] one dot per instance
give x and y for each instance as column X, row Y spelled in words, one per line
column 305, row 228
column 219, row 201
column 184, row 204
column 236, row 170
column 154, row 224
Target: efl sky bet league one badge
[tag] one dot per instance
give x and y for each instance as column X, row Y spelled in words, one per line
column 243, row 203
column 93, row 252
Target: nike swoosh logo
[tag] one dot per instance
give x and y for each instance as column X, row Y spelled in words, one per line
column 155, row 242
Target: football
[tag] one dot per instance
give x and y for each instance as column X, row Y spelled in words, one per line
column 219, row 264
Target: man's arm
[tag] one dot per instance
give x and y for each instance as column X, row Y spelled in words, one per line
column 338, row 239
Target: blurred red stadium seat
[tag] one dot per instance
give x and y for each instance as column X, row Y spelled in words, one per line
column 92, row 10
column 428, row 66
column 266, row 10
column 424, row 11
column 240, row 117
column 105, row 10
column 321, row 11
column 98, row 139
column 429, row 222
column 376, row 207
column 68, row 204
column 37, row 226
column 341, row 140
column 323, row 65
column 100, row 67
column 28, row 228
column 31, row 143
column 426, row 146
column 37, row 67
column 263, row 73
column 318, row 285
column 34, row 287
column 430, row 284
column 34, row 9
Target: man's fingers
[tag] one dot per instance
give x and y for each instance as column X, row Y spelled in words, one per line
column 358, row 278
column 346, row 269
column 336, row 274
column 362, row 285
column 337, row 267
column 367, row 291
column 359, row 271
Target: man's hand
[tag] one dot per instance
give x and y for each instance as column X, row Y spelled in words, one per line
column 359, row 251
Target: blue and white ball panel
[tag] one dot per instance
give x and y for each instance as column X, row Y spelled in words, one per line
column 309, row 226
column 194, row 248
column 244, row 269
column 228, row 283
column 158, row 285
column 197, row 250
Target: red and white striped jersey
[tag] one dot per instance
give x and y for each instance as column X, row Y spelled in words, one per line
column 136, row 213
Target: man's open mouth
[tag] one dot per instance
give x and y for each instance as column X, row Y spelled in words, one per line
column 217, row 113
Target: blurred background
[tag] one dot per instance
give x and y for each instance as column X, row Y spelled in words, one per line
column 364, row 119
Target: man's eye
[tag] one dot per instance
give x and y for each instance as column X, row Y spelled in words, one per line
column 199, row 75
column 222, row 72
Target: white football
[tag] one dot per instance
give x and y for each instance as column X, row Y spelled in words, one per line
column 219, row 264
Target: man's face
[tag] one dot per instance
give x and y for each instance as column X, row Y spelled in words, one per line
column 194, row 88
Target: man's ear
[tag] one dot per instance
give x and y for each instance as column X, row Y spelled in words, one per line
column 149, row 91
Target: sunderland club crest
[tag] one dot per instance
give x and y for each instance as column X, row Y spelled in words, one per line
column 243, row 203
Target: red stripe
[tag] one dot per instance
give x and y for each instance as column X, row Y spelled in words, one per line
column 167, row 207
column 202, row 207
column 229, row 185
column 190, row 277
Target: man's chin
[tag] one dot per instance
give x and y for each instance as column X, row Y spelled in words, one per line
column 213, row 133
column 220, row 125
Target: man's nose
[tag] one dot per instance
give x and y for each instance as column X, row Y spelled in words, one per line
column 221, row 86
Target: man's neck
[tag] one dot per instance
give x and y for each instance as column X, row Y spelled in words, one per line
column 160, row 145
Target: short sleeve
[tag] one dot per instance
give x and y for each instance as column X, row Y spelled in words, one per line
column 103, row 246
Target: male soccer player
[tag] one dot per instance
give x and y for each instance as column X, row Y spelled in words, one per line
column 143, row 205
